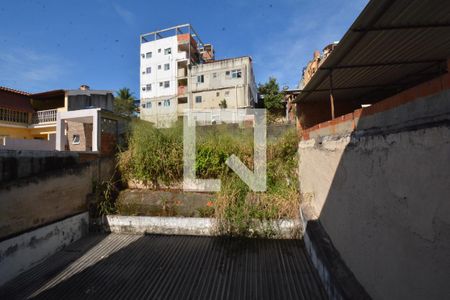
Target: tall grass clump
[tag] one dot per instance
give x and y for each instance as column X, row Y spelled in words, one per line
column 154, row 156
column 240, row 211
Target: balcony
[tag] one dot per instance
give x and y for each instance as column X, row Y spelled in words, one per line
column 12, row 116
column 44, row 117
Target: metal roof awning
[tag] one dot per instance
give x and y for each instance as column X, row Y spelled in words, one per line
column 392, row 45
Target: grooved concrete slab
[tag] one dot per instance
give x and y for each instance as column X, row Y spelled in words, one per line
column 119, row 266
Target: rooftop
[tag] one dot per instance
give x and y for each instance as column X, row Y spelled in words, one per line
column 171, row 31
column 172, row 267
column 391, row 46
column 7, row 89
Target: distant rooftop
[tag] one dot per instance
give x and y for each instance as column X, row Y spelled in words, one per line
column 171, row 31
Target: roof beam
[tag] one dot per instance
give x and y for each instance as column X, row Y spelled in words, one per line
column 353, row 87
column 402, row 27
column 382, row 64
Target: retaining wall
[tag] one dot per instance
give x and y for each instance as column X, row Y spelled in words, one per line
column 22, row 252
column 379, row 185
column 49, row 196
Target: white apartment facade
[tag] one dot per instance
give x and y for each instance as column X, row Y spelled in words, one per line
column 178, row 72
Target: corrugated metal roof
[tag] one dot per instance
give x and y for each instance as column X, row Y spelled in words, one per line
column 392, row 45
column 172, row 267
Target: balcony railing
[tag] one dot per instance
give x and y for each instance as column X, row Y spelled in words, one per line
column 12, row 116
column 44, row 116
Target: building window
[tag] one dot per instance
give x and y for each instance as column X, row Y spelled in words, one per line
column 227, row 73
column 168, row 51
column 148, row 55
column 147, row 105
column 236, row 73
column 161, row 83
column 143, row 55
column 143, row 72
column 159, row 50
column 166, row 84
column 148, row 70
column 159, row 103
column 166, row 67
column 214, row 75
column 227, row 93
column 159, row 67
column 217, row 94
column 149, row 87
column 166, row 103
column 200, row 78
column 198, row 99
column 143, row 88
column 76, row 139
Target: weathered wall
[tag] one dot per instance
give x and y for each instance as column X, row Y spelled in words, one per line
column 28, row 144
column 26, row 250
column 15, row 164
column 381, row 193
column 50, row 196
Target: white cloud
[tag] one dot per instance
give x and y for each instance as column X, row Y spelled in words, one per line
column 127, row 16
column 29, row 70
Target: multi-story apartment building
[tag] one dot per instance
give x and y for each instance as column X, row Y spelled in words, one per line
column 179, row 72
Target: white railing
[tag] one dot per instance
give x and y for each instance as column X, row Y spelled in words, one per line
column 44, row 116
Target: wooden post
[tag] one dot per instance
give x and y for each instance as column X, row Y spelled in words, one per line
column 331, row 95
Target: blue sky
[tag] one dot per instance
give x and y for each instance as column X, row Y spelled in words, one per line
column 48, row 45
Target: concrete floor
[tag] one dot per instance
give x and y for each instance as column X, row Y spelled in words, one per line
column 171, row 267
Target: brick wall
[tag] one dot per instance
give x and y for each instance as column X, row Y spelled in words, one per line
column 85, row 133
column 351, row 120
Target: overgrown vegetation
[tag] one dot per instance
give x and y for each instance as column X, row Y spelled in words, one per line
column 155, row 157
column 105, row 194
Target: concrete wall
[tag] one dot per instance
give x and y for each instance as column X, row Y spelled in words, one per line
column 381, row 193
column 19, row 164
column 26, row 250
column 31, row 144
column 282, row 229
column 48, row 197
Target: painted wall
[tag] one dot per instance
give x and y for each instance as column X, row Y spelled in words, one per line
column 216, row 80
column 29, row 144
column 381, row 193
column 159, row 75
column 26, row 250
column 16, row 132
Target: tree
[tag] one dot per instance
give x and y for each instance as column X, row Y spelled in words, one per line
column 124, row 102
column 273, row 99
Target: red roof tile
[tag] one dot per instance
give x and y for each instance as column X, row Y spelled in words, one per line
column 15, row 100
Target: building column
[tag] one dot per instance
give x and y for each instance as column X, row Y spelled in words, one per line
column 60, row 142
column 96, row 132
